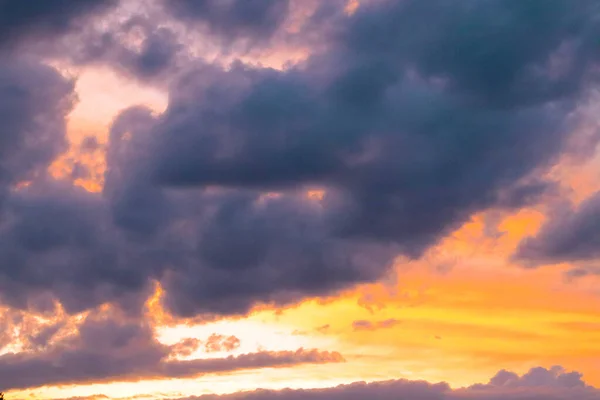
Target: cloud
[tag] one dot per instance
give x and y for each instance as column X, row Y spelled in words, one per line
column 9, row 320
column 555, row 377
column 185, row 347
column 217, row 343
column 570, row 235
column 231, row 20
column 400, row 144
column 405, row 138
column 34, row 100
column 43, row 337
column 537, row 384
column 262, row 359
column 59, row 236
column 139, row 47
column 112, row 349
column 364, row 325
column 43, row 19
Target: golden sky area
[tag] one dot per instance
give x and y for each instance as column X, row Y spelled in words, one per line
column 459, row 314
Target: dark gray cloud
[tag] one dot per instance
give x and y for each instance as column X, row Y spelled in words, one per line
column 407, row 138
column 154, row 56
column 109, row 349
column 405, row 145
column 570, row 235
column 43, row 19
column 537, row 384
column 57, row 238
column 231, row 20
column 34, row 100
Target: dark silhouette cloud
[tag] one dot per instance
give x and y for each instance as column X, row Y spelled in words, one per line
column 538, row 384
column 570, row 235
column 109, row 349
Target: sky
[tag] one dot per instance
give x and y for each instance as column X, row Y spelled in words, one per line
column 300, row 199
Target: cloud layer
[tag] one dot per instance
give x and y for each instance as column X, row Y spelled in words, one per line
column 35, row 20
column 403, row 138
column 537, row 384
column 111, row 349
column 231, row 20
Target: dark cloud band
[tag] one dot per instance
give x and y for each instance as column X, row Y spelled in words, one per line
column 407, row 131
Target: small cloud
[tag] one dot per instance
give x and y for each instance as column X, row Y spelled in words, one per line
column 364, row 325
column 581, row 272
column 388, row 323
column 217, row 343
column 185, row 347
column 89, row 144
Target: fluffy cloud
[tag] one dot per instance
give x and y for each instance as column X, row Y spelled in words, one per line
column 108, row 349
column 404, row 145
column 60, row 237
column 231, row 20
column 407, row 129
column 216, row 343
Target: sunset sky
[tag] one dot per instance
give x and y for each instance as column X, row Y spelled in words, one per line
column 300, row 199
